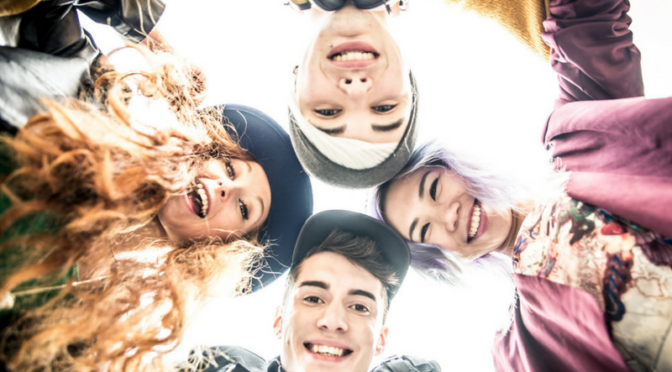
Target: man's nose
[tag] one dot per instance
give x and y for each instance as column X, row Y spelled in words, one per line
column 333, row 319
column 355, row 85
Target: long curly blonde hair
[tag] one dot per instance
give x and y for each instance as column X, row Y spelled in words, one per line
column 100, row 181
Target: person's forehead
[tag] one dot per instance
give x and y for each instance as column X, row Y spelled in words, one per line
column 338, row 273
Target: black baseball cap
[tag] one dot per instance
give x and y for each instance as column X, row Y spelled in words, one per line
column 391, row 245
column 291, row 191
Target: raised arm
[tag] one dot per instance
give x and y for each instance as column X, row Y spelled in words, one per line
column 592, row 50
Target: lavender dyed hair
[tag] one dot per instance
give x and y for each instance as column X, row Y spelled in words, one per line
column 500, row 192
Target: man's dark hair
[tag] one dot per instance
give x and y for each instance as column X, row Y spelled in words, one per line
column 360, row 251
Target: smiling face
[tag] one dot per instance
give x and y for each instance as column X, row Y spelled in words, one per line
column 333, row 317
column 230, row 199
column 432, row 205
column 352, row 82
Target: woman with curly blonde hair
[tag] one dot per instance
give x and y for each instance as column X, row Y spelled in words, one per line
column 117, row 215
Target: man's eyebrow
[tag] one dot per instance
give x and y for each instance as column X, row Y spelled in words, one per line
column 387, row 127
column 314, row 283
column 360, row 292
column 331, row 131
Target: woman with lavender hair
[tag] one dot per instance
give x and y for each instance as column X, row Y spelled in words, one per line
column 590, row 266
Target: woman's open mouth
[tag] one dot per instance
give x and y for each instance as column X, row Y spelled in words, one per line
column 478, row 222
column 325, row 350
column 199, row 200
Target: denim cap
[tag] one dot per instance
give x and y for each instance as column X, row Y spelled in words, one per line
column 391, row 245
column 327, row 171
column 291, row 191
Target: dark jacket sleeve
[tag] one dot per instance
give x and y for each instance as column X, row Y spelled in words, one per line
column 226, row 359
column 406, row 363
column 133, row 19
column 52, row 26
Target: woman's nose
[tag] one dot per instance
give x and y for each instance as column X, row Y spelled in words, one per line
column 355, row 85
column 451, row 216
column 226, row 189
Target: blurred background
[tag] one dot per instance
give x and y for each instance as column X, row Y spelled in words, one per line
column 481, row 92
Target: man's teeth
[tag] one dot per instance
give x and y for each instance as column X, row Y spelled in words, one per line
column 327, row 350
column 475, row 221
column 353, row 56
column 204, row 199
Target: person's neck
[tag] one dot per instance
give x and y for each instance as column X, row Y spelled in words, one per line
column 517, row 218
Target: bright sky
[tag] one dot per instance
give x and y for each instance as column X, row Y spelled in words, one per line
column 480, row 92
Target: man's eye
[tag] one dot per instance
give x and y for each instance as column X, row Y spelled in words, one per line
column 432, row 189
column 313, row 299
column 328, row 112
column 243, row 209
column 384, row 108
column 360, row 308
column 423, row 232
column 230, row 171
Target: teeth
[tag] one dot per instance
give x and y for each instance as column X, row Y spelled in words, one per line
column 204, row 199
column 353, row 55
column 327, row 350
column 475, row 221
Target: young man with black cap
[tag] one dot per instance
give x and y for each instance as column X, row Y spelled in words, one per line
column 346, row 268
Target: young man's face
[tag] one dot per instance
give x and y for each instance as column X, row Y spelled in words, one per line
column 352, row 82
column 333, row 317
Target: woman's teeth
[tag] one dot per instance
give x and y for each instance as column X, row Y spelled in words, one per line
column 475, row 221
column 327, row 350
column 204, row 199
column 353, row 56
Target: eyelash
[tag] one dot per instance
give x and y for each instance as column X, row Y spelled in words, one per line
column 384, row 108
column 243, row 209
column 313, row 299
column 432, row 189
column 423, row 232
column 365, row 309
column 229, row 170
column 328, row 112
column 242, row 206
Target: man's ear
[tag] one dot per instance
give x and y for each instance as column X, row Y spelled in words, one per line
column 382, row 340
column 277, row 324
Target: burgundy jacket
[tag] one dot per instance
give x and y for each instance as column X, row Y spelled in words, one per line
column 616, row 143
column 618, row 147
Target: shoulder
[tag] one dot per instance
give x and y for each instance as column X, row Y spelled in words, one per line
column 407, row 363
column 222, row 358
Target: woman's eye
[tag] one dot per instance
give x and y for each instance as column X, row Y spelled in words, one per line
column 243, row 209
column 423, row 232
column 360, row 308
column 432, row 189
column 384, row 108
column 313, row 299
column 230, row 171
column 328, row 112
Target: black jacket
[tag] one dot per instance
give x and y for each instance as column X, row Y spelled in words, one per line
column 54, row 53
column 236, row 359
